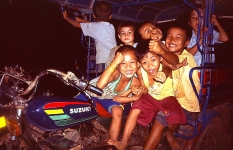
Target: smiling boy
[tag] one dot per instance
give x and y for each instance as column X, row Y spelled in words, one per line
column 158, row 96
column 177, row 38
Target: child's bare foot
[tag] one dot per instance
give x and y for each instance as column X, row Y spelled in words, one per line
column 175, row 145
column 118, row 144
column 172, row 142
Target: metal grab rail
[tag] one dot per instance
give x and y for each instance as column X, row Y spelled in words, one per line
column 217, row 76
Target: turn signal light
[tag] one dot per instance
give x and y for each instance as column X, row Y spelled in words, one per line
column 14, row 127
column 2, row 122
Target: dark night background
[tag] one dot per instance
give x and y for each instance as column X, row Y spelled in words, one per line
column 34, row 35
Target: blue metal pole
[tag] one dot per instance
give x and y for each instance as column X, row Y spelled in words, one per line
column 137, row 3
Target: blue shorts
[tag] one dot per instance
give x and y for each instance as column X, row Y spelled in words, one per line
column 163, row 120
column 104, row 106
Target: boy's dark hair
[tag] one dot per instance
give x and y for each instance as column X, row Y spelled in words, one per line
column 102, row 10
column 125, row 24
column 185, row 27
column 142, row 49
column 125, row 48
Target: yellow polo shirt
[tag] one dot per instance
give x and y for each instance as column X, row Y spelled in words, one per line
column 182, row 86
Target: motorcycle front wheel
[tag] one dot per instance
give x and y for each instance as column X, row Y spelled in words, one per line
column 15, row 143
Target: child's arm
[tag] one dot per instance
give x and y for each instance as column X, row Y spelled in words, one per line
column 123, row 98
column 108, row 75
column 222, row 34
column 75, row 22
column 139, row 75
column 193, row 50
column 174, row 67
column 159, row 48
column 135, row 89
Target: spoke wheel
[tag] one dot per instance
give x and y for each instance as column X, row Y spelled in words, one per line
column 212, row 136
column 209, row 141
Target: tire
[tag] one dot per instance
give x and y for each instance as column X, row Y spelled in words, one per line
column 18, row 144
column 212, row 137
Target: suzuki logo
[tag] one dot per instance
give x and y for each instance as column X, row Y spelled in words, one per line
column 79, row 110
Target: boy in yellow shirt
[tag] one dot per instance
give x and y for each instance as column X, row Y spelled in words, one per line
column 177, row 38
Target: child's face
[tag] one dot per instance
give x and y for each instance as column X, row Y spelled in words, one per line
column 150, row 63
column 194, row 20
column 129, row 66
column 126, row 35
column 176, row 40
column 145, row 30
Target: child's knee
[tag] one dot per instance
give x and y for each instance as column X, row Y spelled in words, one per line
column 172, row 128
column 117, row 111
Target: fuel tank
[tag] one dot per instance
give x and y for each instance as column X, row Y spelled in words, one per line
column 51, row 113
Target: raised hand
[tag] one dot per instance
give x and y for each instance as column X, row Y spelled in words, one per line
column 118, row 58
column 214, row 20
column 157, row 47
column 160, row 77
column 156, row 34
column 65, row 15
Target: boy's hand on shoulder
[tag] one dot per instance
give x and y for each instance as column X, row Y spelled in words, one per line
column 160, row 77
column 118, row 58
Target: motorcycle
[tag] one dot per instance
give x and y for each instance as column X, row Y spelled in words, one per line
column 48, row 122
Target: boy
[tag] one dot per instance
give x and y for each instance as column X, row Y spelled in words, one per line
column 125, row 33
column 218, row 37
column 177, row 39
column 160, row 96
column 102, row 31
column 118, row 82
column 147, row 30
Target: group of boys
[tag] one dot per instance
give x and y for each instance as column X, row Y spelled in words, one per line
column 161, row 87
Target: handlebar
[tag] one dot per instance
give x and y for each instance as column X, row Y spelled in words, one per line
column 68, row 79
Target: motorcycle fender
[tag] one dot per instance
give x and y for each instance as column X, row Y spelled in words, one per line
column 209, row 116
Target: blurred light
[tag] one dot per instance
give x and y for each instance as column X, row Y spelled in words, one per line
column 2, row 122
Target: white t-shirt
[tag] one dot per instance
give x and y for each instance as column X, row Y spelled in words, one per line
column 104, row 35
column 193, row 41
